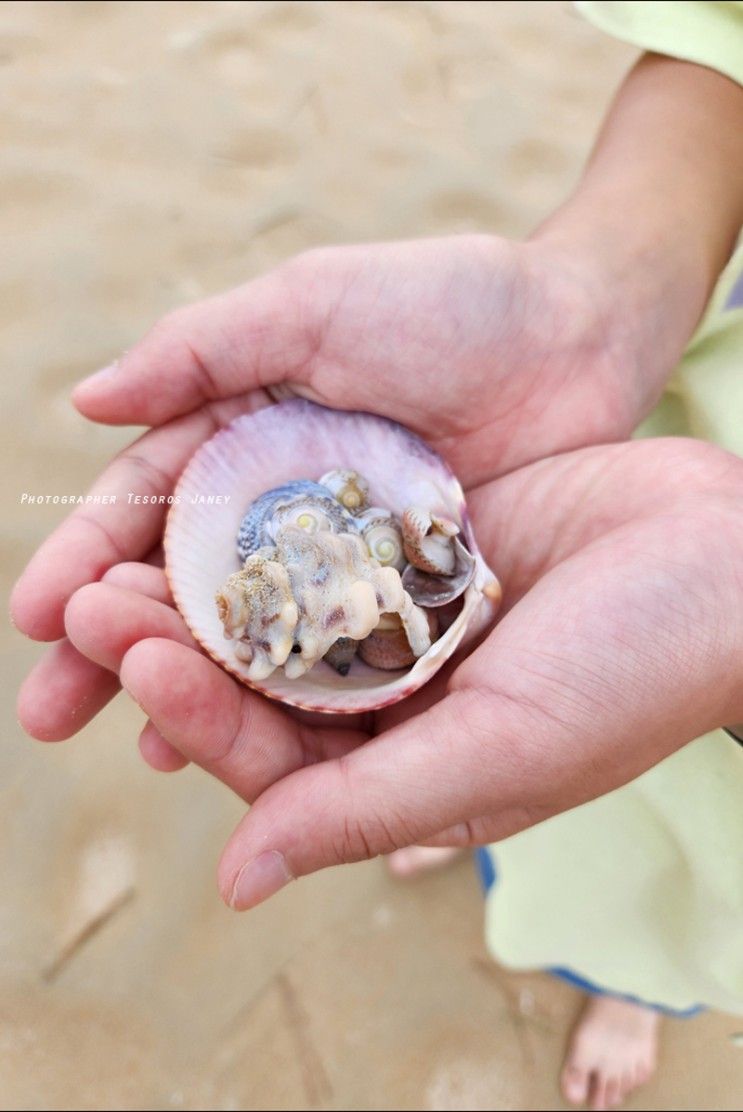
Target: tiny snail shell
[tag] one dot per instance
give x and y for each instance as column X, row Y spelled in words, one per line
column 288, row 503
column 313, row 514
column 274, row 448
column 440, row 590
column 427, row 540
column 383, row 537
column 340, row 655
column 387, row 646
column 348, row 487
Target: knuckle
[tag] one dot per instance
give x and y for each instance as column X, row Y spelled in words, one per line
column 366, row 830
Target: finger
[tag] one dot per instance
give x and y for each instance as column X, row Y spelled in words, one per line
column 250, row 337
column 65, row 690
column 398, row 790
column 141, row 579
column 538, row 721
column 485, row 829
column 103, row 622
column 613, row 1093
column 62, row 693
column 233, row 733
column 97, row 536
column 159, row 753
column 597, row 1098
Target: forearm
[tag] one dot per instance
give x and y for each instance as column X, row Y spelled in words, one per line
column 659, row 207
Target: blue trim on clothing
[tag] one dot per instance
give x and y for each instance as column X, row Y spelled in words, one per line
column 594, row 990
column 488, row 877
column 485, row 868
column 735, row 297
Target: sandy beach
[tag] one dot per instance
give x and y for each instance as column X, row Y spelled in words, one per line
column 154, row 153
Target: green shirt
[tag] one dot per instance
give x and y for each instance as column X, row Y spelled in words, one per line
column 709, row 32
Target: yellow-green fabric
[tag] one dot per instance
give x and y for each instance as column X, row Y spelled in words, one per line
column 641, row 892
column 709, row 32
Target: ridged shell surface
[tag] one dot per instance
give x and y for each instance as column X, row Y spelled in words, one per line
column 279, row 445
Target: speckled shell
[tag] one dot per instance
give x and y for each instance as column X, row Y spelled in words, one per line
column 278, row 445
column 255, row 527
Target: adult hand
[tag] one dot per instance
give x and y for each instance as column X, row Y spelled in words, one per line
column 621, row 641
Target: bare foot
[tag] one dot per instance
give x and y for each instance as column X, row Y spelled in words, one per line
column 409, row 862
column 613, row 1050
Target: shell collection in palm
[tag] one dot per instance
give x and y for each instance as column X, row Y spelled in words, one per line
column 338, row 571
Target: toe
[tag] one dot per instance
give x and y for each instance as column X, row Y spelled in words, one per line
column 629, row 1083
column 597, row 1097
column 613, row 1091
column 574, row 1084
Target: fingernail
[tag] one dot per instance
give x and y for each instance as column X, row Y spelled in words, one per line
column 258, row 879
column 101, row 376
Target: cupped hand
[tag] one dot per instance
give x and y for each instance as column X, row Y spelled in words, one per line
column 498, row 353
column 621, row 641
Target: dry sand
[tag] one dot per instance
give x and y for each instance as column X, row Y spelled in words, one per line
column 153, row 153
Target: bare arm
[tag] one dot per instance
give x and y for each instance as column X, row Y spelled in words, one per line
column 658, row 209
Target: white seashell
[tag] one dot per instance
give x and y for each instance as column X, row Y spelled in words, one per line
column 350, row 488
column 428, row 541
column 276, row 445
column 303, row 503
column 383, row 536
column 289, row 607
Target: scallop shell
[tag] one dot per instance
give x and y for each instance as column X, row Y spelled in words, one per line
column 277, row 445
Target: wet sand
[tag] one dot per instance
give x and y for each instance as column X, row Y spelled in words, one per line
column 153, row 153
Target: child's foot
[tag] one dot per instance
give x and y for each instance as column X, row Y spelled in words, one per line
column 613, row 1050
column 407, row 863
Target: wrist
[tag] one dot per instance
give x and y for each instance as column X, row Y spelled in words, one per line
column 657, row 212
column 648, row 283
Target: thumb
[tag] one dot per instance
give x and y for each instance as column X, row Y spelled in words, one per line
column 257, row 335
column 401, row 788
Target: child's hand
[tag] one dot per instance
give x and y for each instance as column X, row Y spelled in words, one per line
column 622, row 641
column 500, row 354
column 497, row 352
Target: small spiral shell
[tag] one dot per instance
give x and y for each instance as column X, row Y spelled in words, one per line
column 340, row 655
column 300, row 502
column 427, row 541
column 349, row 488
column 387, row 646
column 310, row 514
column 383, row 537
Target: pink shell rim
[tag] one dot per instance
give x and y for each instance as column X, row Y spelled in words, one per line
column 372, row 705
